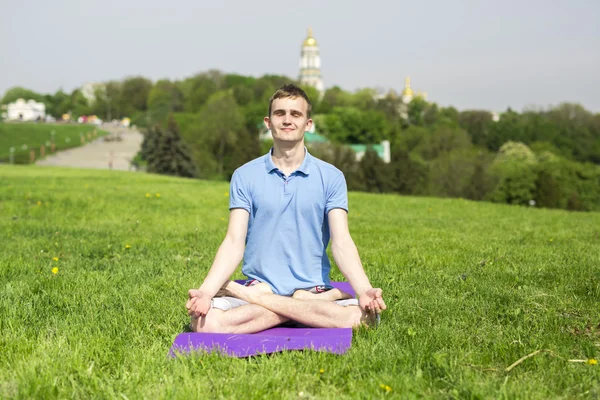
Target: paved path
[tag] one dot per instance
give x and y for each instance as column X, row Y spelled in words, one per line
column 99, row 153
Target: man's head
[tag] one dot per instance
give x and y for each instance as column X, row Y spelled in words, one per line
column 289, row 114
column 290, row 91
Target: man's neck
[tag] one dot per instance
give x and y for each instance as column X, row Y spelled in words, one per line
column 288, row 156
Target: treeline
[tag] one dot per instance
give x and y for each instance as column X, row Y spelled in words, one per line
column 548, row 157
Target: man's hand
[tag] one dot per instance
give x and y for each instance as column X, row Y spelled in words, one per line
column 372, row 301
column 198, row 303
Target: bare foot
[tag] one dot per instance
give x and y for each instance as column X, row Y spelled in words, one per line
column 330, row 295
column 370, row 320
column 246, row 293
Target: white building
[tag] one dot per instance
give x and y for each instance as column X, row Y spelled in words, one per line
column 310, row 64
column 29, row 110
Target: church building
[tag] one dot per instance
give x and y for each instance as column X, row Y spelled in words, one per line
column 310, row 64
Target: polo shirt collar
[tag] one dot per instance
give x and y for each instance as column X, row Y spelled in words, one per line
column 304, row 167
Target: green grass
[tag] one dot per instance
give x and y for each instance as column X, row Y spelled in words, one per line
column 471, row 288
column 25, row 137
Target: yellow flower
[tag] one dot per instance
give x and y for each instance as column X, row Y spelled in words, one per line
column 322, row 371
column 226, row 194
column 222, row 219
column 127, row 246
column 54, row 258
column 55, row 270
column 592, row 361
column 39, row 203
column 147, row 194
column 157, row 194
column 385, row 387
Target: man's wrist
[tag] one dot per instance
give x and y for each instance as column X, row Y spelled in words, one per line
column 208, row 290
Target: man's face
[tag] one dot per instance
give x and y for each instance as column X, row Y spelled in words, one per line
column 288, row 120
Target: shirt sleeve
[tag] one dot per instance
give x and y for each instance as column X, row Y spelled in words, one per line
column 238, row 194
column 337, row 194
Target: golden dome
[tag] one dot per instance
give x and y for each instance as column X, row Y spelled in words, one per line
column 407, row 89
column 310, row 40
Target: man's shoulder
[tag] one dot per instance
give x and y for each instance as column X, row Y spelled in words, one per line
column 251, row 167
column 326, row 168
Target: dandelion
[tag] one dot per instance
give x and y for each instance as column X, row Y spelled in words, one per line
column 322, row 371
column 54, row 258
column 147, row 195
column 385, row 387
column 39, row 203
column 55, row 270
column 222, row 219
column 157, row 194
column 226, row 194
column 592, row 361
column 127, row 246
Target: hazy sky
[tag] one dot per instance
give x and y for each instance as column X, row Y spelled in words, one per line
column 470, row 54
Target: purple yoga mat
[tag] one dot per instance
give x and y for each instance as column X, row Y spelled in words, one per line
column 332, row 340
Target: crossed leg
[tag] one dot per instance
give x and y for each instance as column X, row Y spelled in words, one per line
column 249, row 318
column 267, row 310
column 311, row 312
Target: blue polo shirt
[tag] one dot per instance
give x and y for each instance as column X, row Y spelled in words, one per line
column 288, row 231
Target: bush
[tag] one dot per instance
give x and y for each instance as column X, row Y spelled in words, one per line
column 516, row 182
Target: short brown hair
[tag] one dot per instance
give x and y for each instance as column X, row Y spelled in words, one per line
column 289, row 90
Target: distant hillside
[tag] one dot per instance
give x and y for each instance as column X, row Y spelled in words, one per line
column 24, row 137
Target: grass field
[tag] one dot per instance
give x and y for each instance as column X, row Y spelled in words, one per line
column 24, row 137
column 471, row 288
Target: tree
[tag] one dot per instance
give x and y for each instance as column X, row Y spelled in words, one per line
column 199, row 88
column 514, row 167
column 416, row 111
column 60, row 104
column 164, row 98
column 477, row 124
column 134, row 95
column 515, row 151
column 509, row 127
column 451, row 173
column 168, row 155
column 221, row 124
column 79, row 104
column 351, row 125
column 409, row 174
column 334, row 97
column 15, row 93
column 375, row 172
column 442, row 140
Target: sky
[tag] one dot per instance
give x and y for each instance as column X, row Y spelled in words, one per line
column 469, row 54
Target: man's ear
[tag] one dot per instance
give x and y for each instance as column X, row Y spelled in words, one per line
column 309, row 124
column 267, row 122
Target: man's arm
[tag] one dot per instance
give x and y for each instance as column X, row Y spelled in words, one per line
column 347, row 259
column 228, row 257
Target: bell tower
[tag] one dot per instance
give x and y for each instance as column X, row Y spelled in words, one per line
column 310, row 63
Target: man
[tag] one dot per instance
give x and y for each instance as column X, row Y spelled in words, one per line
column 284, row 208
